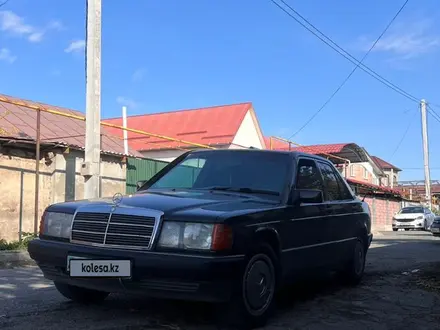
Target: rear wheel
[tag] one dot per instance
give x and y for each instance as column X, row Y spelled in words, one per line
column 253, row 298
column 354, row 270
column 80, row 295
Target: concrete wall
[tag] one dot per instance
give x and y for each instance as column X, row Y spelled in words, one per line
column 60, row 180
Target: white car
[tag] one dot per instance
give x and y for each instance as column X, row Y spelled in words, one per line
column 413, row 217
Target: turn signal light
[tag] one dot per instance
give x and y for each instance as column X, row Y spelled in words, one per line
column 221, row 238
column 41, row 229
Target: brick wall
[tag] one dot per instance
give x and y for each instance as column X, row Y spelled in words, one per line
column 382, row 212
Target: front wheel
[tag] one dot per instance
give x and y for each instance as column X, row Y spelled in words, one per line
column 80, row 295
column 253, row 299
column 354, row 270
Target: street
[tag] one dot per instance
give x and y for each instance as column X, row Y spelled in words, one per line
column 395, row 294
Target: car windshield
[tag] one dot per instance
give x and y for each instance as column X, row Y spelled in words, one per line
column 251, row 172
column 412, row 210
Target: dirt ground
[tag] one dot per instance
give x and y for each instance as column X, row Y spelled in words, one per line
column 401, row 290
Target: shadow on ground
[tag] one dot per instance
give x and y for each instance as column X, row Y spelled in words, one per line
column 320, row 298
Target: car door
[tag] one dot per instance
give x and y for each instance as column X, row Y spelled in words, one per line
column 306, row 229
column 429, row 216
column 343, row 211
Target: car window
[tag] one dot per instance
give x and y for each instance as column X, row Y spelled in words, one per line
column 345, row 191
column 184, row 175
column 331, row 183
column 308, row 176
column 231, row 170
column 411, row 210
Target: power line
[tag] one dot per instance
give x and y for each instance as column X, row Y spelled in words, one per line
column 329, row 42
column 352, row 71
column 4, row 3
column 403, row 136
column 433, row 113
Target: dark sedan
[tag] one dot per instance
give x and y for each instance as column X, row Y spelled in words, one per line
column 435, row 227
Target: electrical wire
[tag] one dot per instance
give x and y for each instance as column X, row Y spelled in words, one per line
column 4, row 3
column 404, row 135
column 352, row 71
column 329, row 42
column 433, row 113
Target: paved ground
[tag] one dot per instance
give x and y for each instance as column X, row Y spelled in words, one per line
column 394, row 295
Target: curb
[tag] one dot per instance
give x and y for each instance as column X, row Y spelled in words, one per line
column 11, row 259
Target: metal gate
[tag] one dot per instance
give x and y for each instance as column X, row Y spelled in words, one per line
column 141, row 169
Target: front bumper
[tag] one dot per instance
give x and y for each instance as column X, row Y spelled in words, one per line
column 416, row 224
column 161, row 275
column 435, row 229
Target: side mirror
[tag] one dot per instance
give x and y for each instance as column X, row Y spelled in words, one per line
column 308, row 196
column 139, row 184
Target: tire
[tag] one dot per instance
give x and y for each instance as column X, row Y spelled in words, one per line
column 406, row 229
column 395, row 229
column 80, row 295
column 354, row 270
column 253, row 298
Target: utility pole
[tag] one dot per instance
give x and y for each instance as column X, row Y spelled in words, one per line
column 91, row 166
column 426, row 153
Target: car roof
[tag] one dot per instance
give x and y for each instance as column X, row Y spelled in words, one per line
column 294, row 154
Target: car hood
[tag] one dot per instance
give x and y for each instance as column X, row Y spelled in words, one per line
column 407, row 216
column 180, row 204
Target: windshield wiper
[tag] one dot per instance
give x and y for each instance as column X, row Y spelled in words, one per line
column 246, row 190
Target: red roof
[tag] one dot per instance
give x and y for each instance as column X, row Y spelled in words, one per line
column 212, row 126
column 20, row 122
column 384, row 164
column 276, row 144
column 323, row 148
column 312, row 149
column 374, row 186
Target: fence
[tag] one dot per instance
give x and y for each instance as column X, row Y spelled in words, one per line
column 141, row 169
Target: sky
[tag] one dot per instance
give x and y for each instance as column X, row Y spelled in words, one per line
column 161, row 55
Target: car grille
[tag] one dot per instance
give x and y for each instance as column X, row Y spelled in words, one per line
column 113, row 229
column 406, row 220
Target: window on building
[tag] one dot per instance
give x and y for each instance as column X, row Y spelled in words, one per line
column 352, row 170
column 365, row 173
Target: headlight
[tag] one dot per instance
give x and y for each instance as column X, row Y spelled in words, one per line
column 56, row 224
column 195, row 236
column 420, row 217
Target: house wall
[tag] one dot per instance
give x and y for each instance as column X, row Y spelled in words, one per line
column 387, row 181
column 247, row 134
column 357, row 173
column 60, row 180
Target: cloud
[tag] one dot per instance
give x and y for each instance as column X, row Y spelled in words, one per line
column 406, row 41
column 15, row 25
column 76, row 46
column 6, row 55
column 138, row 75
column 130, row 103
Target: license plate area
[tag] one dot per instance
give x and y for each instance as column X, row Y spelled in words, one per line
column 435, row 230
column 98, row 268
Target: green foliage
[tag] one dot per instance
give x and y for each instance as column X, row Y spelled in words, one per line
column 17, row 245
column 436, row 212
